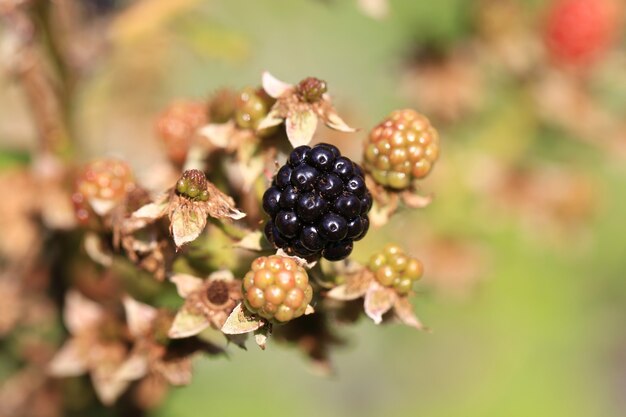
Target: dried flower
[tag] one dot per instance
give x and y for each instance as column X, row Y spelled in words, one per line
column 379, row 298
column 187, row 210
column 97, row 345
column 300, row 107
column 208, row 302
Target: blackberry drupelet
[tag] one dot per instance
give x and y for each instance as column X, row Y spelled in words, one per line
column 318, row 204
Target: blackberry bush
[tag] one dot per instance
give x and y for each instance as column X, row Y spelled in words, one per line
column 318, row 204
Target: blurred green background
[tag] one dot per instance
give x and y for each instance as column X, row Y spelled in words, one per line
column 524, row 286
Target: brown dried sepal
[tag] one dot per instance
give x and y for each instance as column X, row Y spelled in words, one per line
column 300, row 107
column 207, row 302
column 360, row 282
column 387, row 201
column 188, row 218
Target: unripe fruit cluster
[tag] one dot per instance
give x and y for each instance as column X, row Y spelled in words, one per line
column 106, row 180
column 177, row 125
column 403, row 147
column 318, row 204
column 193, row 185
column 311, row 89
column 393, row 268
column 251, row 106
column 277, row 288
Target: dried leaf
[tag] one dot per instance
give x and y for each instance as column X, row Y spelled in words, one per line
column 254, row 241
column 186, row 284
column 177, row 372
column 301, row 127
column 188, row 322
column 220, row 205
column 335, row 122
column 96, row 250
column 68, row 361
column 355, row 287
column 300, row 261
column 139, row 316
column 379, row 215
column 223, row 275
column 273, row 86
column 153, row 211
column 80, row 312
column 102, row 207
column 218, row 134
column 108, row 388
column 273, row 118
column 241, row 321
column 187, row 221
column 414, row 200
column 404, row 311
column 378, row 300
column 260, row 337
column 135, row 367
column 105, row 360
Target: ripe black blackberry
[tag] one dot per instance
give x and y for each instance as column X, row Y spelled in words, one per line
column 318, row 204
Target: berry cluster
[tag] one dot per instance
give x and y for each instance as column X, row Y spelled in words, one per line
column 401, row 148
column 311, row 89
column 177, row 125
column 277, row 288
column 318, row 204
column 251, row 106
column 102, row 181
column 580, row 31
column 193, row 185
column 393, row 268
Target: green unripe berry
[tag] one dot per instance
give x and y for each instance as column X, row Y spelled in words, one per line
column 393, row 268
column 398, row 180
column 377, row 261
column 182, row 185
column 385, row 275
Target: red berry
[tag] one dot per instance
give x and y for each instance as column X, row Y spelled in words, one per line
column 579, row 32
column 177, row 125
column 401, row 148
column 277, row 288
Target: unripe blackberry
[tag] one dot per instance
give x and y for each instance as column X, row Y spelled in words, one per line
column 403, row 147
column 101, row 183
column 318, row 204
column 177, row 125
column 222, row 105
column 251, row 106
column 193, row 185
column 276, row 288
column 393, row 268
column 311, row 89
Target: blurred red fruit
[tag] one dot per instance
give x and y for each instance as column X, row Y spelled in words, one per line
column 579, row 32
